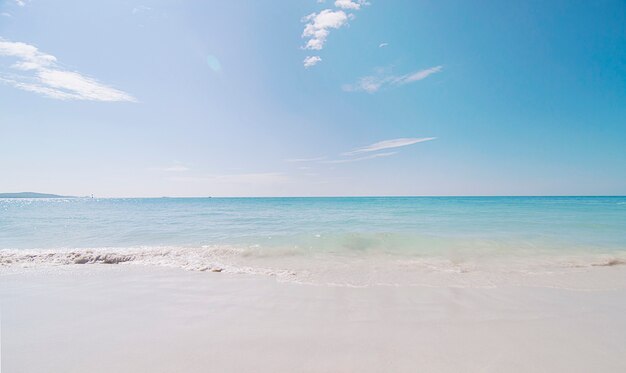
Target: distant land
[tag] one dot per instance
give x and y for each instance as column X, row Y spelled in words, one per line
column 32, row 195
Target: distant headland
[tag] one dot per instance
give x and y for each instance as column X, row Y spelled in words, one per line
column 32, row 195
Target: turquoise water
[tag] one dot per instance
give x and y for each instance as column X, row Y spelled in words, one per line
column 412, row 224
column 454, row 241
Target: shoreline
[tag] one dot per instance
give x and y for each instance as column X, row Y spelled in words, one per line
column 576, row 271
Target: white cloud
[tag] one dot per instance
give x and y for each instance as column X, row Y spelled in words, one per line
column 141, row 9
column 319, row 25
column 418, row 75
column 369, row 84
column 41, row 74
column 313, row 159
column 372, row 156
column 30, row 57
column 20, row 2
column 389, row 144
column 381, row 145
column 311, row 61
column 350, row 4
column 382, row 45
column 373, row 83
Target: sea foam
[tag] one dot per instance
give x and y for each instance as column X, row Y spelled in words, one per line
column 364, row 269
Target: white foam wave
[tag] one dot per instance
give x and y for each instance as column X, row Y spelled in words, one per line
column 206, row 258
column 326, row 269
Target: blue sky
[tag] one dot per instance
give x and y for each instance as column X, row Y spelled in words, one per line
column 303, row 98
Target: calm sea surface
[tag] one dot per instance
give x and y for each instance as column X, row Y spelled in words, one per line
column 412, row 224
column 471, row 241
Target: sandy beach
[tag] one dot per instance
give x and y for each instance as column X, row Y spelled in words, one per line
column 117, row 318
column 320, row 186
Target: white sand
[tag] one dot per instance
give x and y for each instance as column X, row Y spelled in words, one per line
column 119, row 318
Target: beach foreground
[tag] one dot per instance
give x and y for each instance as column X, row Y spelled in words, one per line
column 105, row 318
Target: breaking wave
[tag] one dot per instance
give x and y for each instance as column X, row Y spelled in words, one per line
column 363, row 269
column 193, row 259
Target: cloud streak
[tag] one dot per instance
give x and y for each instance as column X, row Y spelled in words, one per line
column 373, row 83
column 255, row 178
column 313, row 159
column 39, row 72
column 358, row 159
column 375, row 147
column 389, row 144
column 174, row 168
column 141, row 9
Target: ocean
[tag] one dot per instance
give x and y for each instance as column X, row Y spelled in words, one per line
column 342, row 240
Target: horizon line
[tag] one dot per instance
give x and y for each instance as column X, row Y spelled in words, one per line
column 328, row 196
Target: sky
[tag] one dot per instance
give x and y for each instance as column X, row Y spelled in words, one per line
column 313, row 98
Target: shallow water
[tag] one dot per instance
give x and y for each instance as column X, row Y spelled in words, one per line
column 356, row 240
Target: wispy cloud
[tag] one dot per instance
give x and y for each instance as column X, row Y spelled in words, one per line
column 20, row 2
column 254, row 178
column 389, row 144
column 348, row 157
column 350, row 4
column 382, row 45
column 372, row 156
column 173, row 168
column 5, row 14
column 313, row 159
column 418, row 75
column 311, row 61
column 141, row 9
column 373, row 83
column 39, row 72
